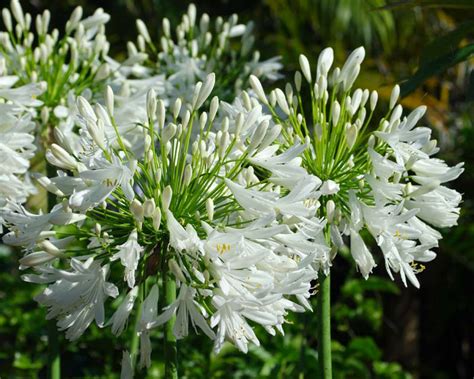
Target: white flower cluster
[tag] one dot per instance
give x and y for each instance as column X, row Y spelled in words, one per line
column 69, row 63
column 240, row 248
column 196, row 49
column 381, row 174
column 17, row 147
column 47, row 70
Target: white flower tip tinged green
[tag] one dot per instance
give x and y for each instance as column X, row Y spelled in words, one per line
column 394, row 96
column 166, row 197
column 258, row 89
column 305, row 67
column 137, row 210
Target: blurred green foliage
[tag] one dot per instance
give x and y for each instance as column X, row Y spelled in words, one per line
column 427, row 44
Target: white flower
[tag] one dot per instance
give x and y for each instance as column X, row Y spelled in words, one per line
column 129, row 254
column 186, row 308
column 149, row 312
column 127, row 369
column 120, row 317
column 181, row 238
column 77, row 296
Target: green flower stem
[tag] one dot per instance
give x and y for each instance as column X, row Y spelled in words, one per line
column 134, row 340
column 171, row 350
column 54, row 356
column 324, row 327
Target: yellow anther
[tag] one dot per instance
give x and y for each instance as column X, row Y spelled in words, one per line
column 417, row 267
column 223, row 248
column 311, row 202
column 110, row 182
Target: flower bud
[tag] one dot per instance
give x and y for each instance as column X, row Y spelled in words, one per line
column 151, row 103
column 142, row 29
column 258, row 89
column 168, row 133
column 394, row 96
column 149, row 207
column 205, row 90
column 281, row 99
column 330, row 208
column 188, row 174
column 210, row 209
column 156, row 217
column 166, row 198
column 137, row 210
column 305, row 68
column 109, row 100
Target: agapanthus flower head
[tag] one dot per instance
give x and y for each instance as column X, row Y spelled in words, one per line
column 188, row 205
column 69, row 62
column 198, row 47
column 379, row 176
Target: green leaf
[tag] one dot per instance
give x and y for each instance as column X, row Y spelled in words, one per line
column 365, row 348
column 353, row 287
column 436, row 67
column 446, row 43
column 463, row 4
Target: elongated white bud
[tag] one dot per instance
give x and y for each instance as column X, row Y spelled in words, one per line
column 298, row 81
column 336, row 111
column 137, row 210
column 85, row 108
column 257, row 136
column 351, row 68
column 166, row 198
column 61, row 158
column 281, row 100
column 210, row 209
column 35, row 259
column 156, row 217
column 373, row 100
column 188, row 174
column 109, row 100
column 330, row 208
column 149, row 207
column 7, row 19
column 161, row 114
column 394, row 96
column 151, row 103
column 258, row 89
column 168, row 133
column 325, row 60
column 206, row 90
column 213, row 108
column 305, row 67
column 142, row 29
column 18, row 13
column 351, row 135
column 177, row 107
column 48, row 247
column 46, row 183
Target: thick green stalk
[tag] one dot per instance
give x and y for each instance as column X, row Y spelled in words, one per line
column 171, row 350
column 135, row 337
column 54, row 356
column 324, row 327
